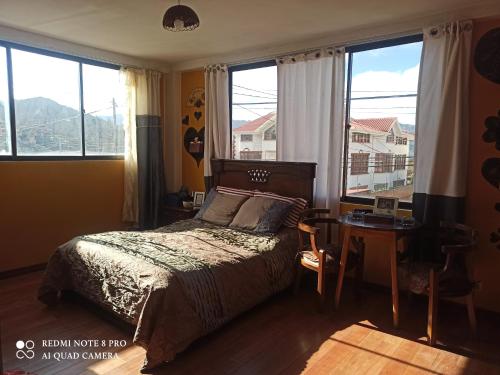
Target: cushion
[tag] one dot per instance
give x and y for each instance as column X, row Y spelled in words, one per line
column 298, row 204
column 222, row 208
column 261, row 214
column 208, row 200
column 233, row 191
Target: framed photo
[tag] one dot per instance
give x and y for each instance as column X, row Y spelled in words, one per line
column 386, row 205
column 198, row 198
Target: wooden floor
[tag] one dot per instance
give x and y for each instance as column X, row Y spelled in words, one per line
column 285, row 335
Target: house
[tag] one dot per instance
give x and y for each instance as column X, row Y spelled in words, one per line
column 380, row 152
column 379, row 156
column 256, row 139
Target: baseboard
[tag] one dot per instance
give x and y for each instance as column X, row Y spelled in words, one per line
column 22, row 271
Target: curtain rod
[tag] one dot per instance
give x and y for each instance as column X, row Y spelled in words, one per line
column 330, row 45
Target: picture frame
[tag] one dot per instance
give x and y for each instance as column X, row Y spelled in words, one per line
column 198, row 198
column 386, row 205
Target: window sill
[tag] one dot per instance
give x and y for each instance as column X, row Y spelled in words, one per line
column 60, row 158
column 370, row 202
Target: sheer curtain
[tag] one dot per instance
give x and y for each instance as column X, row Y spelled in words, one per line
column 217, row 132
column 144, row 170
column 311, row 117
column 442, row 124
column 130, row 212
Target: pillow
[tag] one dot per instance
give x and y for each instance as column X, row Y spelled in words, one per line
column 261, row 214
column 208, row 200
column 298, row 204
column 222, row 208
column 233, row 191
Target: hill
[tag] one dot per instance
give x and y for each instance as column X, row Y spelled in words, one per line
column 45, row 126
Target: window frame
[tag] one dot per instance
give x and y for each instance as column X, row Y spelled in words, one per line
column 236, row 68
column 350, row 50
column 11, row 103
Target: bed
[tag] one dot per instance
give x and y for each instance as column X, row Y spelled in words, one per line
column 180, row 282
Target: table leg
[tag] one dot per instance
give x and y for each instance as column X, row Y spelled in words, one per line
column 343, row 261
column 394, row 278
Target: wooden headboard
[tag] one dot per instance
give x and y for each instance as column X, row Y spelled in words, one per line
column 291, row 179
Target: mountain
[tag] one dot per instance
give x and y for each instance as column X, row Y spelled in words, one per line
column 45, row 126
column 408, row 128
column 237, row 123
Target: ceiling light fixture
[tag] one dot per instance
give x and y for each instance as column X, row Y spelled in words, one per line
column 180, row 18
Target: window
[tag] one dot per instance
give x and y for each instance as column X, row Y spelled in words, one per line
column 254, row 95
column 360, row 138
column 398, row 183
column 401, row 140
column 381, row 91
column 380, row 186
column 247, row 138
column 47, row 105
column 359, row 164
column 270, row 134
column 383, row 163
column 59, row 106
column 399, row 162
column 104, row 134
column 5, row 148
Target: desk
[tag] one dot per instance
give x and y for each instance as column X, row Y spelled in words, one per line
column 392, row 232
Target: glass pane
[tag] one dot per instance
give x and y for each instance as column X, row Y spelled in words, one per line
column 382, row 119
column 254, row 113
column 47, row 102
column 104, row 134
column 5, row 148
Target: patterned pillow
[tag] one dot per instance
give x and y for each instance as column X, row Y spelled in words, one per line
column 261, row 214
column 233, row 191
column 274, row 217
column 298, row 204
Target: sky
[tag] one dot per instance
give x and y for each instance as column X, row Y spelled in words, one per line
column 383, row 71
column 58, row 79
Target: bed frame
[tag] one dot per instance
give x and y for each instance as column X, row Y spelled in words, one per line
column 291, row 179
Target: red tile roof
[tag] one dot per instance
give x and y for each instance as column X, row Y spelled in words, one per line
column 255, row 124
column 383, row 124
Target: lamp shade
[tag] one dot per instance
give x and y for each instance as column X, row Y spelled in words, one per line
column 180, row 18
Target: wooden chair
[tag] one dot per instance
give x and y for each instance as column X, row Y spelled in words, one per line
column 448, row 281
column 322, row 259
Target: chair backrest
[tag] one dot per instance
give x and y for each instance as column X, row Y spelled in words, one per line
column 307, row 226
column 457, row 240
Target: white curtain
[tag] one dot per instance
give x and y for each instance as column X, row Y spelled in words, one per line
column 130, row 211
column 311, row 117
column 442, row 123
column 217, row 131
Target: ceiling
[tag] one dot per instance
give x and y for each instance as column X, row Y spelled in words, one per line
column 134, row 27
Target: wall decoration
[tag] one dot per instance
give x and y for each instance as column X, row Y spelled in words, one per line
column 492, row 133
column 495, row 238
column 196, row 98
column 197, row 115
column 194, row 143
column 185, row 120
column 487, row 55
column 491, row 171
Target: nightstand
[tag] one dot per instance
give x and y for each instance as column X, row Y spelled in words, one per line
column 172, row 214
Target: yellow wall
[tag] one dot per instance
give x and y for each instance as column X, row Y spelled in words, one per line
column 481, row 196
column 192, row 174
column 44, row 204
